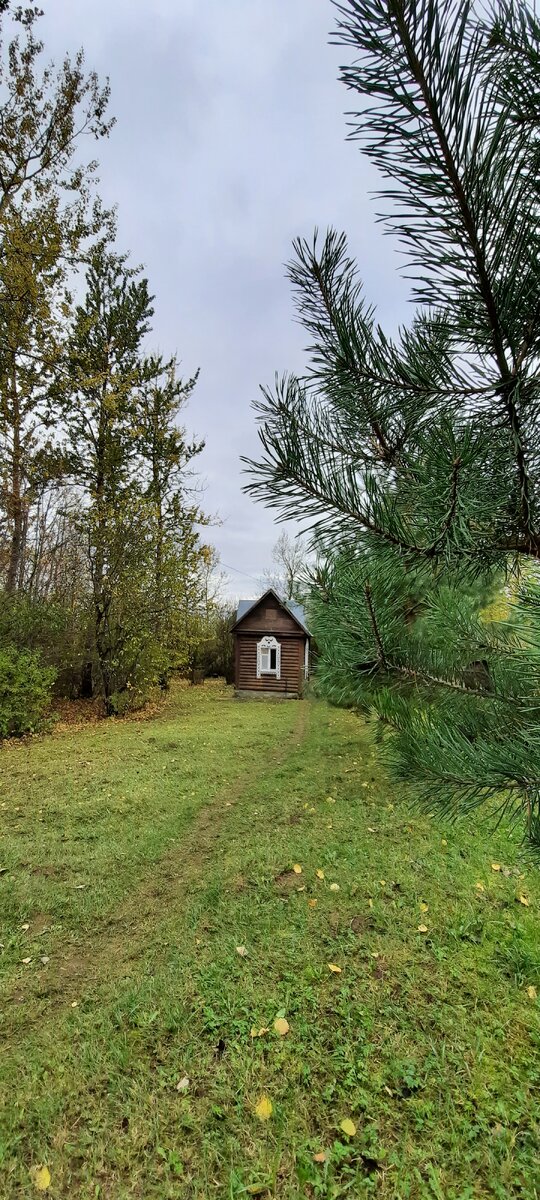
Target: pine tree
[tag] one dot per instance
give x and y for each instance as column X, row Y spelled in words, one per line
column 130, row 463
column 415, row 458
column 166, row 456
column 104, row 375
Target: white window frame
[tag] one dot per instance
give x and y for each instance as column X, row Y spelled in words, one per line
column 264, row 647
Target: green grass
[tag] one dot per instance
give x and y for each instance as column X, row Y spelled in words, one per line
column 142, row 853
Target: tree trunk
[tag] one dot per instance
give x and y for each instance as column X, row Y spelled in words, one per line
column 102, row 602
column 101, row 590
column 164, row 676
column 15, row 501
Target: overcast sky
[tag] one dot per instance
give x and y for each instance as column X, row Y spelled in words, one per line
column 230, row 141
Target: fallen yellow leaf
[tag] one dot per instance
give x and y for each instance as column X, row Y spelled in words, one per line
column 531, row 992
column 263, row 1109
column 41, row 1177
column 312, row 903
column 281, row 1026
column 333, row 967
column 480, row 887
column 241, row 950
column 297, row 869
column 523, row 900
column 319, row 873
column 444, row 842
column 423, row 906
column 370, row 902
column 495, row 866
column 320, row 1157
column 334, row 887
column 348, row 1127
column 422, row 928
column 259, row 1032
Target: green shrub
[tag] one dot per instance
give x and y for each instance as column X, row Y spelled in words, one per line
column 25, row 690
column 130, row 699
column 59, row 633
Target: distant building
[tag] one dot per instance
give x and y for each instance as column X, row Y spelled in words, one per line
column 271, row 647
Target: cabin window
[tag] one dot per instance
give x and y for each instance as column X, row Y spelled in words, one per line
column 268, row 657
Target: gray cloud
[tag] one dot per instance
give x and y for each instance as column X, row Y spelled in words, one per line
column 229, row 142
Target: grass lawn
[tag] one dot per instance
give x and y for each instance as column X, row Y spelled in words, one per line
column 155, row 924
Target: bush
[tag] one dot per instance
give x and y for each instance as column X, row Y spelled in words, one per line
column 129, row 699
column 25, row 690
column 59, row 633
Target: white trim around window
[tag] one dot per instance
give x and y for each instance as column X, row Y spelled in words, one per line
column 269, row 657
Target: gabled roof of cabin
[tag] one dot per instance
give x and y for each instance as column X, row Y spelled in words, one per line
column 296, row 610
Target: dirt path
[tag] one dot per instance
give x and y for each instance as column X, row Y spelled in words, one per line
column 119, row 939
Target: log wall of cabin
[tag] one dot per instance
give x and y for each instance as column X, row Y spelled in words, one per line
column 292, row 664
column 268, row 617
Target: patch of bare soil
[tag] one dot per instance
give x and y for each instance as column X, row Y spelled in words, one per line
column 39, row 924
column 362, row 923
column 47, row 870
column 286, row 881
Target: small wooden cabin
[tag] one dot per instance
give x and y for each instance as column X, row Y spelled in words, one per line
column 271, row 647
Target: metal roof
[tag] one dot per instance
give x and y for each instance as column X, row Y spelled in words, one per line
column 244, row 607
column 296, row 610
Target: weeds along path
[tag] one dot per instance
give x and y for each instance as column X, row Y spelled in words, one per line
column 119, row 941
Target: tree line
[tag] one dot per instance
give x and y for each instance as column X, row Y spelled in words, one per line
column 106, row 578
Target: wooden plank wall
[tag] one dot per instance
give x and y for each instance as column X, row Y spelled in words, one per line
column 292, row 665
column 269, row 618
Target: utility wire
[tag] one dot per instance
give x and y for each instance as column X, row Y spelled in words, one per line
column 229, row 568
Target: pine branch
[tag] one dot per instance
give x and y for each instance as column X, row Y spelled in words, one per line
column 451, row 511
column 369, row 601
column 397, row 9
